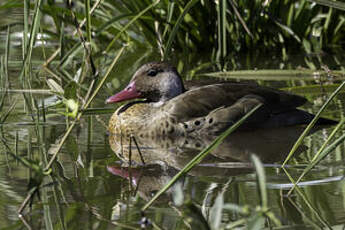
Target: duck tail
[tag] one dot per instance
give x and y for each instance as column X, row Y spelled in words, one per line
column 325, row 121
column 296, row 117
column 304, row 117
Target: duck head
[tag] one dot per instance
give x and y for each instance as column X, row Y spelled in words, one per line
column 154, row 81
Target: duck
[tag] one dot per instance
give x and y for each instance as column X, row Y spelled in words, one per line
column 171, row 107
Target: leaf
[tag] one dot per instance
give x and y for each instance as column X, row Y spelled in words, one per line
column 261, row 179
column 255, row 222
column 177, row 194
column 72, row 106
column 307, row 45
column 55, row 87
column 71, row 90
column 72, row 146
column 216, row 212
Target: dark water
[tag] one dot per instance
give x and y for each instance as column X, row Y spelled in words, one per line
column 89, row 189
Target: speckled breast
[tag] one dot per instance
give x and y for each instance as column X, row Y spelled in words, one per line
column 144, row 120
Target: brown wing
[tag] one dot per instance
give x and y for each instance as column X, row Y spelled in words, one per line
column 201, row 101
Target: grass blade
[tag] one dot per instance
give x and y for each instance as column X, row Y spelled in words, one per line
column 106, row 25
column 261, row 179
column 130, row 23
column 311, row 124
column 88, row 20
column 322, row 153
column 335, row 130
column 176, row 27
column 222, row 29
column 334, row 4
column 304, row 198
column 241, row 19
column 275, row 75
column 52, row 159
column 34, row 30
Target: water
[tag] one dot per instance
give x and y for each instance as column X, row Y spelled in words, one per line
column 88, row 189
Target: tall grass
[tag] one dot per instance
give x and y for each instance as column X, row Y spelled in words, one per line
column 224, row 28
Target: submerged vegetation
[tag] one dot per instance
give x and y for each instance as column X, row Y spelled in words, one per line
column 58, row 57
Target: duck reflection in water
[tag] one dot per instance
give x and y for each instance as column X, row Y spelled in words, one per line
column 270, row 145
column 155, row 161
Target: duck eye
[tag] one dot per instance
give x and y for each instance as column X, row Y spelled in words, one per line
column 152, row 72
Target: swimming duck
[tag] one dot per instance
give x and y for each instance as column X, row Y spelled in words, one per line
column 171, row 109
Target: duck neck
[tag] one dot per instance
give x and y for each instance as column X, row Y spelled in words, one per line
column 172, row 88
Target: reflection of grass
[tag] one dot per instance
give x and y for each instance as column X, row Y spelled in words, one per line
column 324, row 150
column 217, row 28
column 312, row 123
